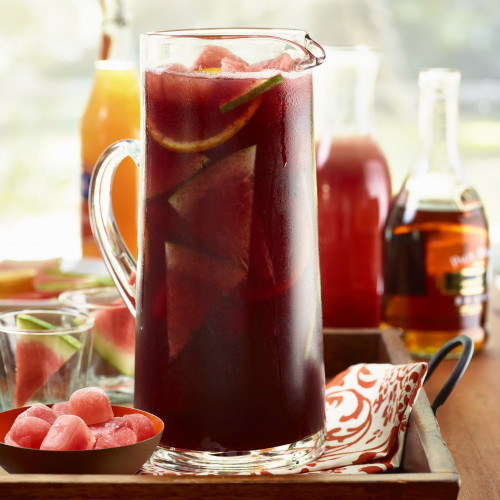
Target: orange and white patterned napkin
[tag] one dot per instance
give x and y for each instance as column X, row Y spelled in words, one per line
column 367, row 412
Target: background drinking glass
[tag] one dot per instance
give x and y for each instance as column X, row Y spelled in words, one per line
column 44, row 355
column 112, row 361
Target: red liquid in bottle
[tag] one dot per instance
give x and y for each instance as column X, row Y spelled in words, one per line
column 354, row 193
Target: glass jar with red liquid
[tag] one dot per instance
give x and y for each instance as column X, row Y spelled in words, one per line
column 354, row 190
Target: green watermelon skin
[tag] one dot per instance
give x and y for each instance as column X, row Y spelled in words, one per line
column 114, row 338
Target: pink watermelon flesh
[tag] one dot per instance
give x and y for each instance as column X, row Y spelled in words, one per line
column 41, row 411
column 212, row 56
column 36, row 362
column 91, row 404
column 27, row 432
column 69, row 432
column 114, row 338
column 108, row 427
column 221, row 197
column 141, row 425
column 61, row 408
column 119, row 437
column 216, row 260
column 194, row 280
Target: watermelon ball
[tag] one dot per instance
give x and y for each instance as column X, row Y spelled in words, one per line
column 69, row 432
column 61, row 408
column 27, row 432
column 141, row 425
column 91, row 404
column 41, row 411
column 118, row 437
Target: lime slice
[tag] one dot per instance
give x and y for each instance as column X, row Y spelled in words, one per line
column 29, row 322
column 251, row 94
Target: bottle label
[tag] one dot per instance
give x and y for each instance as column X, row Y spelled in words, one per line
column 467, row 281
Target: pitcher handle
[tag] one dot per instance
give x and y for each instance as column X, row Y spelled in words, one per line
column 118, row 260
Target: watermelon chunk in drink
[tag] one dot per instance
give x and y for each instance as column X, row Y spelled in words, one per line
column 51, row 352
column 230, row 332
column 114, row 337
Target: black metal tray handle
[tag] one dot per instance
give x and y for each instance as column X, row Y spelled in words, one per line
column 458, row 370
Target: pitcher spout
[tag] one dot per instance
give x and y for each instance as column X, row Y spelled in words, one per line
column 314, row 54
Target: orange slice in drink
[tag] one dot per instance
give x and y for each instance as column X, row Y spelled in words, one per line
column 188, row 145
column 182, row 109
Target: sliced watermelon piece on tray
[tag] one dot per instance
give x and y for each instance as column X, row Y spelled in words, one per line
column 114, row 338
column 39, row 357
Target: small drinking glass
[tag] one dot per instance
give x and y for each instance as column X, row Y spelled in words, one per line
column 113, row 355
column 44, row 355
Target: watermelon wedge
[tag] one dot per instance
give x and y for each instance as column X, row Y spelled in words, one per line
column 39, row 356
column 216, row 205
column 194, row 281
column 114, row 338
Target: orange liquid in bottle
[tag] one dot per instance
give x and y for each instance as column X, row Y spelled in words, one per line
column 112, row 114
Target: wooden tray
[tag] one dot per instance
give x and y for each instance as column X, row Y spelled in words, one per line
column 427, row 470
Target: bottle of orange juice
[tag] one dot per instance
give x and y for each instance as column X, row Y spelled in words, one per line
column 112, row 113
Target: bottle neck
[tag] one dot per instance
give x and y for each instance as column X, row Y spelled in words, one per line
column 348, row 86
column 438, row 119
column 116, row 39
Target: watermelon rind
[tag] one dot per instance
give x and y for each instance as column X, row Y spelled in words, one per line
column 251, row 94
column 28, row 322
column 64, row 346
column 124, row 362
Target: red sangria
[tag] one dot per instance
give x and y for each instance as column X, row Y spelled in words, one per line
column 354, row 190
column 353, row 202
column 229, row 279
column 229, row 349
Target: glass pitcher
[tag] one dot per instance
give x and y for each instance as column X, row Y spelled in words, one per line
column 226, row 289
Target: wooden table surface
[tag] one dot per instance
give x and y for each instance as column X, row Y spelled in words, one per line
column 470, row 419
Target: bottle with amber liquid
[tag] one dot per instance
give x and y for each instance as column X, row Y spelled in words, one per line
column 436, row 242
column 112, row 113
